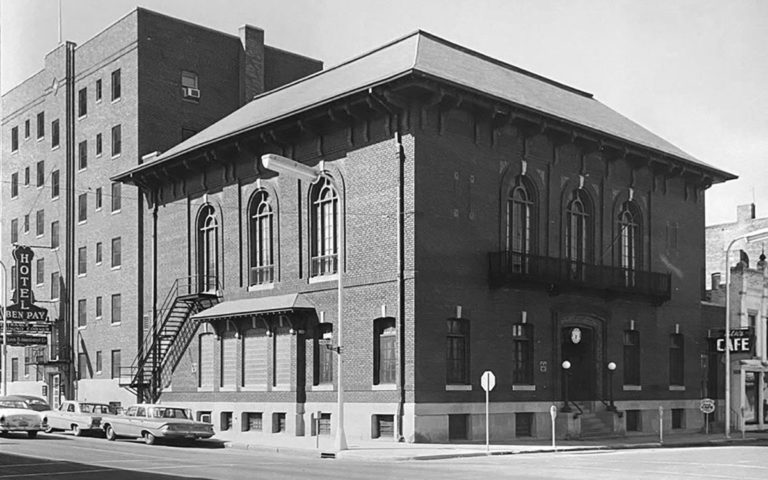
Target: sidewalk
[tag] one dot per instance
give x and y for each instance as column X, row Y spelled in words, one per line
column 388, row 450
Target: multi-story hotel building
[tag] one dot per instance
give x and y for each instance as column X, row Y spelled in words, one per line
column 462, row 215
column 144, row 83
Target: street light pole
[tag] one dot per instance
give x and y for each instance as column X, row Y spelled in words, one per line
column 755, row 236
column 298, row 170
column 611, row 369
column 566, row 372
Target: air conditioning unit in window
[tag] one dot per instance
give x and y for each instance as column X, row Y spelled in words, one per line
column 190, row 92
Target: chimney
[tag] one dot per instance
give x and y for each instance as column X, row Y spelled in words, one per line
column 715, row 281
column 252, row 63
column 745, row 213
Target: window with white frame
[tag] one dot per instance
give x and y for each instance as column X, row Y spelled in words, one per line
column 325, row 215
column 260, row 232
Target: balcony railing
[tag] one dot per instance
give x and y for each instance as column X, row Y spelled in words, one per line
column 557, row 275
column 324, row 265
column 261, row 275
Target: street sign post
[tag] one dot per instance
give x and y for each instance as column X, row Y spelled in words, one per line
column 707, row 406
column 553, row 414
column 487, row 381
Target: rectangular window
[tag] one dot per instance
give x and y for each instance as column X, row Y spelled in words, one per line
column 27, row 361
column 40, row 271
column 115, row 363
column 226, row 421
column 38, row 373
column 524, row 424
column 26, row 176
column 188, row 79
column 82, row 260
column 82, row 155
column 117, row 252
column 98, row 253
column 55, row 234
column 82, row 102
column 98, row 198
column 522, row 354
column 278, row 422
column 15, row 231
column 82, row 366
column 82, row 207
column 98, row 90
column 116, row 308
column 252, row 422
column 55, row 133
column 14, row 369
column 40, row 223
column 99, row 311
column 384, row 351
column 26, row 129
column 55, row 179
column 676, row 359
column 55, row 286
column 116, row 140
column 255, row 358
column 98, row 361
column 40, row 173
column 116, row 197
column 14, row 139
column 385, row 426
column 26, row 223
column 116, row 87
column 458, row 426
column 205, row 361
column 678, row 418
column 631, row 357
column 40, row 125
column 98, row 144
column 82, row 313
column 457, row 353
column 634, row 420
column 15, row 185
column 13, row 277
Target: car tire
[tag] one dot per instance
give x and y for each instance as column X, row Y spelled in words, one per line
column 76, row 431
column 32, row 433
column 149, row 439
column 109, row 433
column 48, row 429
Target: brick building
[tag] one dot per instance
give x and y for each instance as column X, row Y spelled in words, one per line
column 481, row 217
column 144, row 83
column 748, row 296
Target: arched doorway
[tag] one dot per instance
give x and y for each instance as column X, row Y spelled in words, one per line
column 578, row 347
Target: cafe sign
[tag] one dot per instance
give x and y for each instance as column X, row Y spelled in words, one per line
column 23, row 309
column 741, row 340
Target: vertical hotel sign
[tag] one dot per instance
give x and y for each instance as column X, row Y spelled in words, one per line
column 26, row 323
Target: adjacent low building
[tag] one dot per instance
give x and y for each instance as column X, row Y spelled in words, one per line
column 463, row 216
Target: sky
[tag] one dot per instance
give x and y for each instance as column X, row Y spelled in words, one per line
column 694, row 72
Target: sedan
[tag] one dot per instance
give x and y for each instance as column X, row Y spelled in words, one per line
column 79, row 417
column 16, row 416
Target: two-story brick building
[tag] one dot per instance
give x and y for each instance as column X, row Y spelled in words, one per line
column 144, row 83
column 478, row 216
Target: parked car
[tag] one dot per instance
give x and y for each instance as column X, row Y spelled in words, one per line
column 16, row 416
column 79, row 417
column 153, row 422
column 37, row 404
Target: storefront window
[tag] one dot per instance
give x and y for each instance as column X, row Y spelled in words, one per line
column 752, row 399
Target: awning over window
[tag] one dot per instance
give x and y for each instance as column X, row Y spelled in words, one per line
column 256, row 306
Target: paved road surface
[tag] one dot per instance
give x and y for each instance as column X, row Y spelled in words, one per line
column 64, row 457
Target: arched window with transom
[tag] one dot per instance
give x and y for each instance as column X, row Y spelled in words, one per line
column 520, row 224
column 207, row 249
column 325, row 241
column 629, row 236
column 578, row 238
column 260, row 240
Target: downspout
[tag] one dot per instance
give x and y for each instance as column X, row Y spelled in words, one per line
column 155, row 333
column 395, row 113
column 69, row 263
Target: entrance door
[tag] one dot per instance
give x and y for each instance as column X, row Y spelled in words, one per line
column 578, row 348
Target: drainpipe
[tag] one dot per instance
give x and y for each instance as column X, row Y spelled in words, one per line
column 69, row 256
column 155, row 344
column 395, row 113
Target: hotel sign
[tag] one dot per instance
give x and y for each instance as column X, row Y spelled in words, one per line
column 25, row 320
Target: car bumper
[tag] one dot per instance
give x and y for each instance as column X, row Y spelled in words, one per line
column 185, row 435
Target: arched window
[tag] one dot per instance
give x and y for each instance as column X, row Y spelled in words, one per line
column 260, row 241
column 629, row 236
column 578, row 238
column 520, row 205
column 208, row 249
column 325, row 214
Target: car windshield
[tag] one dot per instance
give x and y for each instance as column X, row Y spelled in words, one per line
column 37, row 405
column 12, row 404
column 96, row 408
column 170, row 413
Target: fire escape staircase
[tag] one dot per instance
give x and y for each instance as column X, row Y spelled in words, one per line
column 162, row 349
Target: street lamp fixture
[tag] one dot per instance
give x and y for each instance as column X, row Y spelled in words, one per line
column 566, row 373
column 298, row 170
column 611, row 369
column 756, row 236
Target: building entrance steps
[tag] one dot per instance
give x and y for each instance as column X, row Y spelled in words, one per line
column 597, row 424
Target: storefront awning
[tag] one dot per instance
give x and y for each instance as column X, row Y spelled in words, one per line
column 256, row 306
